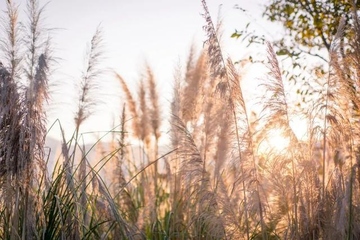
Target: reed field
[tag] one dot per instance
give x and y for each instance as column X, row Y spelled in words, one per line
column 215, row 180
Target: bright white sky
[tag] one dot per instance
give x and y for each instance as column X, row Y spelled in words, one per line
column 134, row 31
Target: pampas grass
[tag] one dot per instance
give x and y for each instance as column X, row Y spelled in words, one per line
column 214, row 180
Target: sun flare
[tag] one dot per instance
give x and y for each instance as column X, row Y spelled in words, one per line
column 275, row 141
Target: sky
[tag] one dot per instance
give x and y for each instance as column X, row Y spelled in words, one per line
column 135, row 32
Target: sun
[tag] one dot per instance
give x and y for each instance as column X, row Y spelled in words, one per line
column 277, row 141
column 274, row 142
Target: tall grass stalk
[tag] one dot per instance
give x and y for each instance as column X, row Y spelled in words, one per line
column 229, row 87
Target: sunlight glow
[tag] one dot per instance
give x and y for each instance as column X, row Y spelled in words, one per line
column 277, row 141
column 274, row 142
